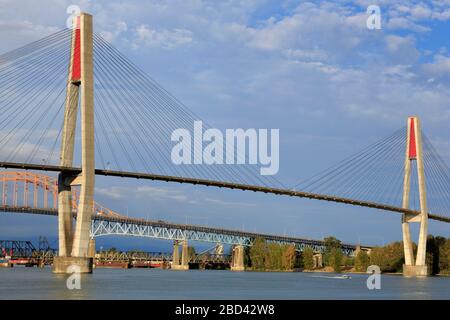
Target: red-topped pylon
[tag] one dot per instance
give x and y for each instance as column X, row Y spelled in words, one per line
column 74, row 242
column 414, row 152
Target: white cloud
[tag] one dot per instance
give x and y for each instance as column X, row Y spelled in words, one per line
column 156, row 193
column 116, row 193
column 16, row 33
column 229, row 203
column 142, row 192
column 439, row 67
column 405, row 24
column 120, row 28
column 401, row 49
column 167, row 39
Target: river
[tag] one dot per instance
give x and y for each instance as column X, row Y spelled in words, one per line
column 35, row 283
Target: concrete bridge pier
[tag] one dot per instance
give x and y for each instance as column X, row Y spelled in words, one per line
column 91, row 251
column 237, row 258
column 184, row 265
column 176, row 254
column 318, row 260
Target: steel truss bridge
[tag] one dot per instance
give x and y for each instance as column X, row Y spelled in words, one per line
column 104, row 225
column 133, row 256
column 138, row 256
column 16, row 249
column 25, row 249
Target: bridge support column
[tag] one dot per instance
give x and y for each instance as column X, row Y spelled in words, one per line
column 237, row 259
column 414, row 152
column 176, row 254
column 184, row 265
column 91, row 251
column 318, row 260
column 185, row 254
column 74, row 246
column 72, row 265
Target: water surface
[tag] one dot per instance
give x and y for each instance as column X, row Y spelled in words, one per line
column 35, row 283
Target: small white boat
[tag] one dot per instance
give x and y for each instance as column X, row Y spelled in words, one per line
column 344, row 276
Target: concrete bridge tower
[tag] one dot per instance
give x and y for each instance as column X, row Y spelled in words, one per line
column 414, row 152
column 74, row 242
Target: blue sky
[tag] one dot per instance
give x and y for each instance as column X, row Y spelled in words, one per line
column 311, row 69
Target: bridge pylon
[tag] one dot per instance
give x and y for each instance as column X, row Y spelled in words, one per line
column 237, row 258
column 74, row 242
column 414, row 152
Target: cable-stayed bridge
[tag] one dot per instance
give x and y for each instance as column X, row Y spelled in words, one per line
column 48, row 90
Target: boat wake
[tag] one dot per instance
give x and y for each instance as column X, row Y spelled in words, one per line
column 334, row 277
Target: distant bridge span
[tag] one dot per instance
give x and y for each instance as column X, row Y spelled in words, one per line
column 103, row 225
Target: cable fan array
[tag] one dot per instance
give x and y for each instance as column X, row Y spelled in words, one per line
column 134, row 116
column 32, row 96
column 376, row 174
column 437, row 179
column 373, row 174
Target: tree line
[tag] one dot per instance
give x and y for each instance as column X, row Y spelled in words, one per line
column 269, row 256
column 390, row 258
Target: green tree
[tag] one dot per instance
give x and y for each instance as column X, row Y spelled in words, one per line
column 288, row 257
column 258, row 254
column 362, row 261
column 308, row 258
column 274, row 255
column 247, row 259
column 434, row 245
column 331, row 243
column 335, row 259
column 348, row 261
column 444, row 257
column 389, row 258
column 191, row 253
column 331, row 257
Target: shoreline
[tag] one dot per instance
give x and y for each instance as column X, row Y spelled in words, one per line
column 343, row 272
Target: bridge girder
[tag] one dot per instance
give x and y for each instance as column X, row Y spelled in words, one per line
column 122, row 228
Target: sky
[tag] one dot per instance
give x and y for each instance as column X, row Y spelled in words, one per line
column 311, row 69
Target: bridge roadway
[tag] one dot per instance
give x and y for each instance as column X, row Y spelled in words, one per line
column 220, row 184
column 109, row 225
